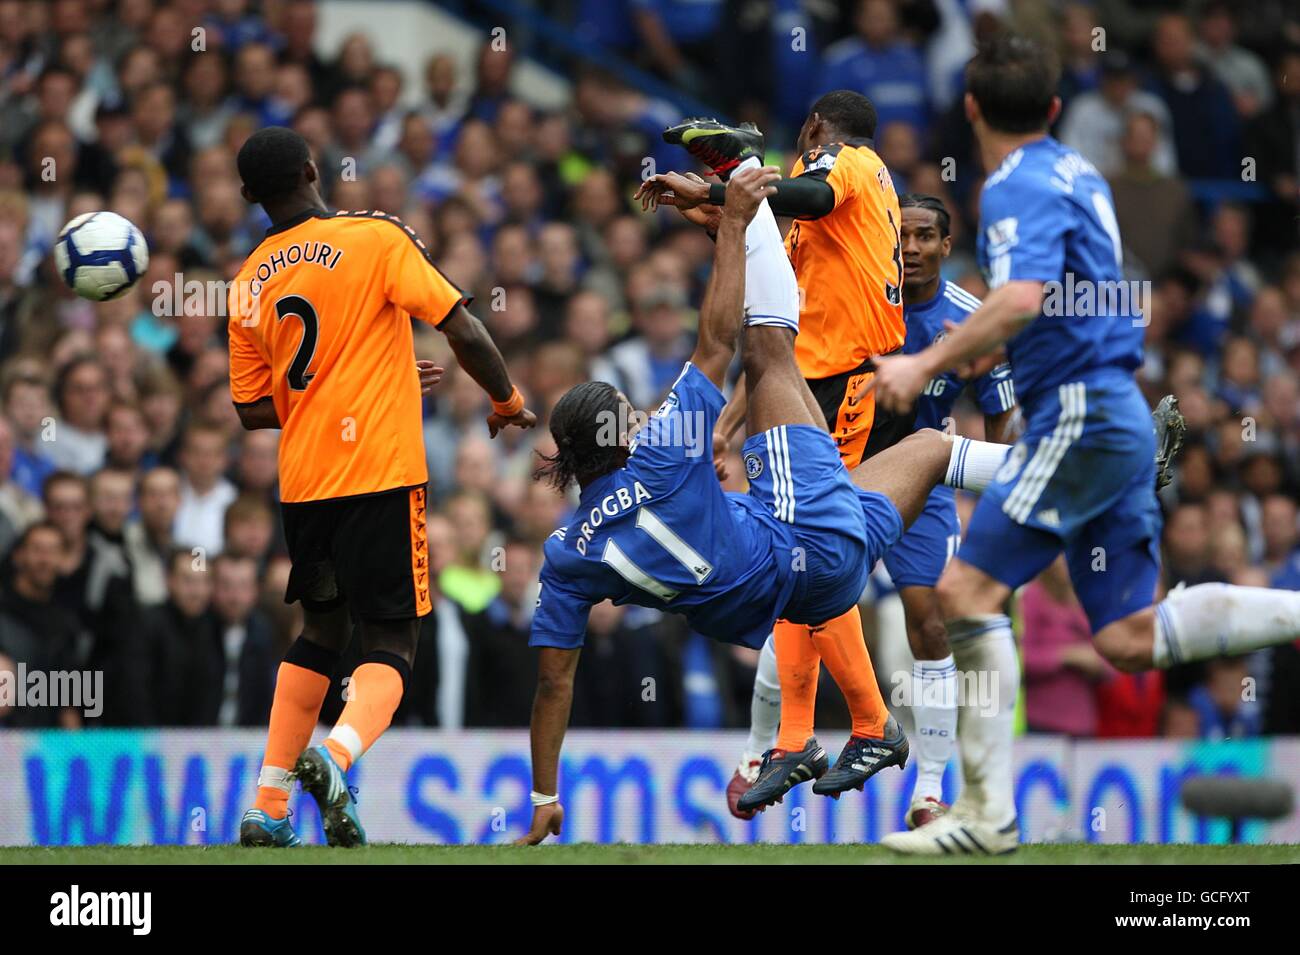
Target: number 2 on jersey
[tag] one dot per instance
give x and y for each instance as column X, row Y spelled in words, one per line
column 299, row 306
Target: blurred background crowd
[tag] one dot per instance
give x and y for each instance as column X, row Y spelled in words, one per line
column 138, row 523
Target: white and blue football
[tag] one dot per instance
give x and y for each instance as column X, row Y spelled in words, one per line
column 100, row 255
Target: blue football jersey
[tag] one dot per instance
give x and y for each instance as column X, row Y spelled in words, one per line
column 1046, row 215
column 660, row 532
column 994, row 392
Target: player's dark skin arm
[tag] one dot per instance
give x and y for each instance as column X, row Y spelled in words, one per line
column 800, row 198
column 258, row 415
column 478, row 355
column 550, row 719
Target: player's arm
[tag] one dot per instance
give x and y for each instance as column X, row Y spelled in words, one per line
column 250, row 376
column 477, row 353
column 556, row 667
column 1005, row 311
column 1026, row 249
column 558, row 629
column 414, row 283
column 806, row 197
column 728, row 423
column 724, row 298
column 258, row 415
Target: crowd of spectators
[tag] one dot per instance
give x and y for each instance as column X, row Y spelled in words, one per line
column 139, row 531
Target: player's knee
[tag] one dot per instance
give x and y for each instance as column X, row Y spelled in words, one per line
column 928, row 452
column 956, row 596
column 929, row 638
column 1126, row 645
column 329, row 629
column 398, row 637
column 966, row 591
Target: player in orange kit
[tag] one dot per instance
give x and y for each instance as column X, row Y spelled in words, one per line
column 844, row 245
column 321, row 346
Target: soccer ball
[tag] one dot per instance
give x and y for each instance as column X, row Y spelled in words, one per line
column 100, row 255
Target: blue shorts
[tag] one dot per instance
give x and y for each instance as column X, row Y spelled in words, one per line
column 838, row 531
column 1082, row 480
column 918, row 559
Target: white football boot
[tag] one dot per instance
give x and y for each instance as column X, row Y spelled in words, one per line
column 956, row 832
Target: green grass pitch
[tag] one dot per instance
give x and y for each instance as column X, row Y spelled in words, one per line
column 627, row 854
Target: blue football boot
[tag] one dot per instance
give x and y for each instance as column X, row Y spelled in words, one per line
column 259, row 829
column 322, row 778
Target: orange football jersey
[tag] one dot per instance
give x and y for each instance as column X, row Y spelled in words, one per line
column 848, row 263
column 320, row 322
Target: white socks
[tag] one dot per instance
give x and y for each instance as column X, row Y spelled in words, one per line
column 1211, row 620
column 765, row 706
column 771, row 291
column 984, row 649
column 934, row 711
column 973, row 464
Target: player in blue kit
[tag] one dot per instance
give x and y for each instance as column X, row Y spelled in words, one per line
column 1081, row 478
column 931, row 305
column 653, row 526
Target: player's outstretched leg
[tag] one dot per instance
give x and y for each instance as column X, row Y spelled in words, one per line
column 720, row 147
column 300, row 687
column 1199, row 623
column 983, row 819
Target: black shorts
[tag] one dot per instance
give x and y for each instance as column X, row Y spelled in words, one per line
column 370, row 552
column 860, row 428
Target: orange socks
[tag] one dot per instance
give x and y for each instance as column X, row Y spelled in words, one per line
column 844, row 650
column 373, row 697
column 299, row 693
column 799, row 651
column 797, row 666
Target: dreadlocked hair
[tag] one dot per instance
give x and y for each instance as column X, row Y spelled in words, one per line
column 586, row 427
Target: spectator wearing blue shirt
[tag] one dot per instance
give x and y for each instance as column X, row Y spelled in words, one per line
column 606, row 24
column 1217, row 705
column 678, row 35
column 1080, row 58
column 1207, row 130
column 1288, row 578
column 883, row 67
column 651, row 360
column 1279, row 544
column 234, row 28
column 254, row 77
